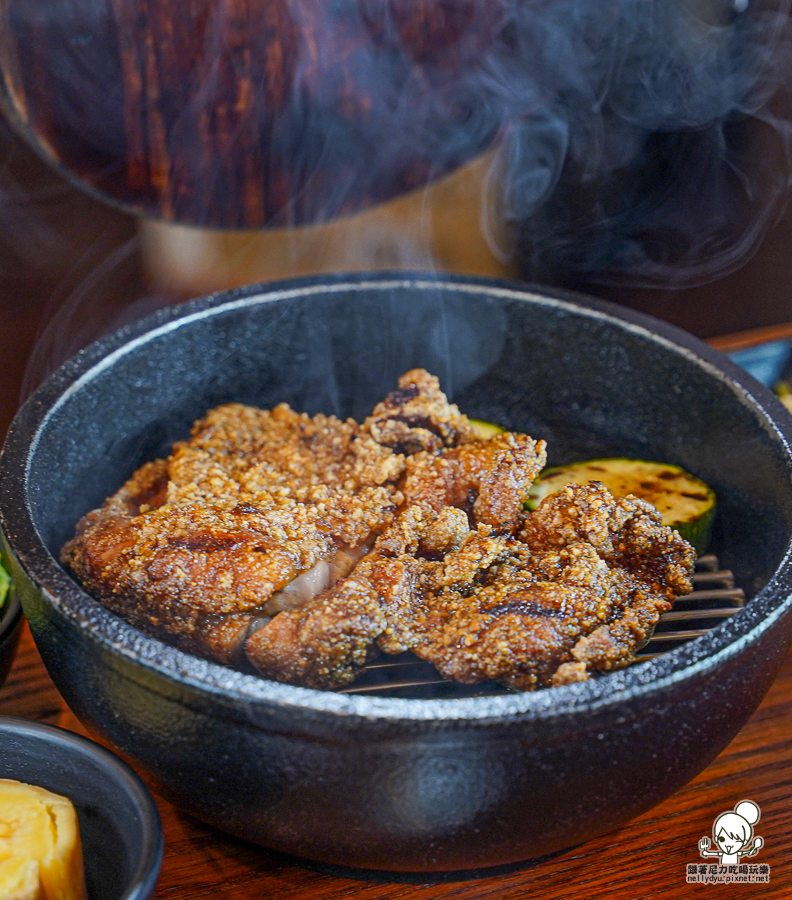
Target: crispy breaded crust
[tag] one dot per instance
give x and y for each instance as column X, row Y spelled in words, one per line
column 301, row 544
column 579, row 589
column 253, row 500
column 417, row 416
column 323, row 644
column 196, row 546
column 489, row 479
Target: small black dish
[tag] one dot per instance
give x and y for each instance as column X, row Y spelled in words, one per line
column 10, row 630
column 120, row 827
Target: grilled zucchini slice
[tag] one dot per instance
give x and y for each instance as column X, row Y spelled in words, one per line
column 485, row 430
column 684, row 501
column 5, row 584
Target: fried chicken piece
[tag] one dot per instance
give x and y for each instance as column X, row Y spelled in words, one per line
column 488, row 479
column 488, row 471
column 323, row 644
column 257, row 516
column 417, row 416
column 627, row 533
column 300, row 545
column 221, row 533
column 580, row 590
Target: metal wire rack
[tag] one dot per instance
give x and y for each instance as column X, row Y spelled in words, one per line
column 714, row 599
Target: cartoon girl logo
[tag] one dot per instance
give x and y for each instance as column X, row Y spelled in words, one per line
column 732, row 833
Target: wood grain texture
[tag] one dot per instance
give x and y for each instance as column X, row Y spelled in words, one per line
column 729, row 343
column 245, row 113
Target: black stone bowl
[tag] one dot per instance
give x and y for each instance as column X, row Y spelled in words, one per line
column 10, row 630
column 386, row 783
column 120, row 827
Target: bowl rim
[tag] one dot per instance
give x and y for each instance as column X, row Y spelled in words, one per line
column 202, row 677
column 146, row 873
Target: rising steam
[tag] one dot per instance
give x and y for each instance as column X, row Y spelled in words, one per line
column 644, row 142
column 662, row 154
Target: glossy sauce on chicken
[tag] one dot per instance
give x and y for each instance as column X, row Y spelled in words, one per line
column 303, row 545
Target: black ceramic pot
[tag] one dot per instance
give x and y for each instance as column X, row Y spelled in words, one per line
column 391, row 783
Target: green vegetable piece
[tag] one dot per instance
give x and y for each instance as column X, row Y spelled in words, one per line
column 485, row 430
column 784, row 393
column 684, row 502
column 5, row 584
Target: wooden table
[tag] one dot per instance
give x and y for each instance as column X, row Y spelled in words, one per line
column 646, row 858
